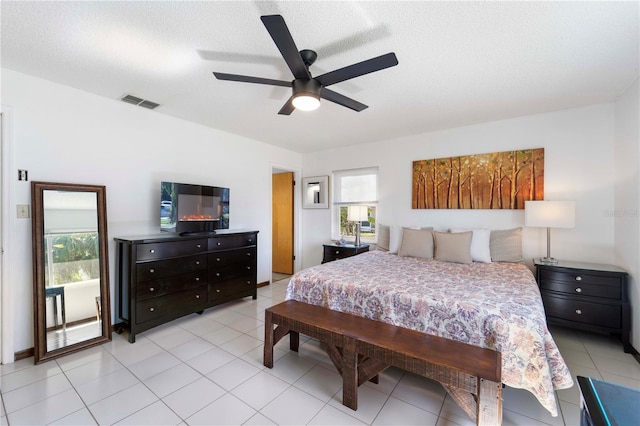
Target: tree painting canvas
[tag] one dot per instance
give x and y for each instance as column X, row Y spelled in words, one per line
column 499, row 180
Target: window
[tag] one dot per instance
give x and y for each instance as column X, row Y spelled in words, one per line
column 350, row 188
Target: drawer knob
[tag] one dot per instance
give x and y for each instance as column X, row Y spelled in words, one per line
column 249, row 267
column 250, row 240
column 217, row 274
column 579, row 311
column 151, row 309
column 197, row 262
column 337, row 251
column 578, row 290
column 578, row 278
column 152, row 251
column 217, row 290
column 217, row 259
column 152, row 289
column 151, row 271
column 198, row 245
column 197, row 296
column 197, row 278
column 219, row 244
column 248, row 254
column 249, row 282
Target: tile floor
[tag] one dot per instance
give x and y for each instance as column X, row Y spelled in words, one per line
column 207, row 369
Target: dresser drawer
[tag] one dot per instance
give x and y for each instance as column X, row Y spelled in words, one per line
column 185, row 301
column 223, row 289
column 224, row 243
column 227, row 257
column 226, row 272
column 582, row 289
column 574, row 309
column 165, row 268
column 168, row 285
column 152, row 251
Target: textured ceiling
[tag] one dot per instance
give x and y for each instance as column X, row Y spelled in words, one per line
column 459, row 63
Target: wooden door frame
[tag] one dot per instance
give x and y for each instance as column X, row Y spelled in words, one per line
column 297, row 206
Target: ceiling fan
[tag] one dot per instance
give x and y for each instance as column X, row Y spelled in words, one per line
column 308, row 90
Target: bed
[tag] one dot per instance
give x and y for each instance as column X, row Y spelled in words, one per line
column 493, row 305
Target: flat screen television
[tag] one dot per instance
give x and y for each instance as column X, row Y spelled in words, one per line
column 188, row 209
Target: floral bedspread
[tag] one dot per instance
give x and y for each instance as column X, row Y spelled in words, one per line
column 492, row 305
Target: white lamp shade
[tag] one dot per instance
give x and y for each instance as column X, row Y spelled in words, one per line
column 358, row 213
column 550, row 214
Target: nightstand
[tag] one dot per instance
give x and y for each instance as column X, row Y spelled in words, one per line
column 340, row 251
column 586, row 296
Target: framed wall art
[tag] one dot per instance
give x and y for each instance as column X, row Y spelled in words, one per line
column 499, row 180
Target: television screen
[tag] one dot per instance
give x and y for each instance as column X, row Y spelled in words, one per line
column 193, row 209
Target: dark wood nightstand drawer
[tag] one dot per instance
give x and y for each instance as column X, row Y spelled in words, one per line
column 582, row 289
column 579, row 277
column 333, row 252
column 601, row 315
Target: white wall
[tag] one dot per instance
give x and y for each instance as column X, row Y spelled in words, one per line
column 64, row 135
column 579, row 152
column 626, row 212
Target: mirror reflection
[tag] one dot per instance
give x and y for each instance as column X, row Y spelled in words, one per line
column 71, row 280
column 72, row 267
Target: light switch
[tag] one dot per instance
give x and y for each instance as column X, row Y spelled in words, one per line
column 23, row 211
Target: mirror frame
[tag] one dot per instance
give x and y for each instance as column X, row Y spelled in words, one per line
column 308, row 201
column 39, row 300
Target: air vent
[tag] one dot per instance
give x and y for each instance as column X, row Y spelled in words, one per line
column 139, row 101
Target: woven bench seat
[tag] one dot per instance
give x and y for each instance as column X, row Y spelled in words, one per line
column 361, row 348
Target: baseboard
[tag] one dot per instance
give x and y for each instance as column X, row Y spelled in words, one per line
column 24, row 354
column 262, row 284
column 635, row 354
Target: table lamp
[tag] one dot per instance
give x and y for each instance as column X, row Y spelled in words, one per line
column 549, row 214
column 358, row 214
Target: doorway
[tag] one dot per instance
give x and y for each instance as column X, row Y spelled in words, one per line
column 282, row 217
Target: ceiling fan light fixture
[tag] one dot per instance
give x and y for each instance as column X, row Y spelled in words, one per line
column 306, row 101
column 306, row 94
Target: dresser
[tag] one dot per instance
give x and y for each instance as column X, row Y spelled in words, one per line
column 162, row 277
column 333, row 252
column 586, row 296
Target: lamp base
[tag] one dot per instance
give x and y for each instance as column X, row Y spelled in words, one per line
column 549, row 261
column 357, row 241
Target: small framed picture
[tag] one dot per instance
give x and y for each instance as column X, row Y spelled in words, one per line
column 315, row 192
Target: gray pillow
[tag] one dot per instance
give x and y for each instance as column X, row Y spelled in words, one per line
column 416, row 243
column 506, row 245
column 384, row 237
column 453, row 247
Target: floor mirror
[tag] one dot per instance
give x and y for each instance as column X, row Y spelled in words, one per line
column 70, row 268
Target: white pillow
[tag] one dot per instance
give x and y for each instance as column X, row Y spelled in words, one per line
column 480, row 248
column 395, row 239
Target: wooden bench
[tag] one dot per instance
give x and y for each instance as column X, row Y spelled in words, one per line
column 361, row 348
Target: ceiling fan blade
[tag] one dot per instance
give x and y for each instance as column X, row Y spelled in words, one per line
column 287, row 108
column 249, row 79
column 282, row 38
column 332, row 96
column 356, row 70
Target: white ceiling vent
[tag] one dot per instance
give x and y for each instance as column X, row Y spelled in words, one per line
column 139, row 101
